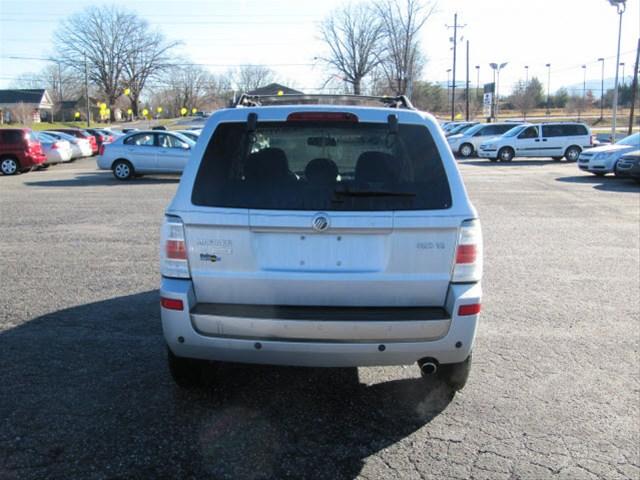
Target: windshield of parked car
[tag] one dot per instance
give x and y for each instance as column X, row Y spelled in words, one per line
column 633, row 140
column 460, row 128
column 322, row 166
column 474, row 129
column 514, row 131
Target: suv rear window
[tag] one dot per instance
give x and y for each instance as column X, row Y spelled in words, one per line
column 12, row 136
column 322, row 166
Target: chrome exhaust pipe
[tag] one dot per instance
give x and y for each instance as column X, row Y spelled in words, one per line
column 428, row 366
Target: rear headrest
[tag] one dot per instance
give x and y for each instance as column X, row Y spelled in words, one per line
column 321, row 171
column 270, row 163
column 376, row 167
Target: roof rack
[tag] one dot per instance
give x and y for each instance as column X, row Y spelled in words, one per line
column 246, row 100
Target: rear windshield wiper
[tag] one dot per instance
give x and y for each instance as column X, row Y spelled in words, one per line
column 372, row 192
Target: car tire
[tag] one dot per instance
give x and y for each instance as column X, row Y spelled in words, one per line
column 9, row 166
column 122, row 170
column 572, row 153
column 556, row 159
column 186, row 372
column 466, row 150
column 506, row 154
column 455, row 375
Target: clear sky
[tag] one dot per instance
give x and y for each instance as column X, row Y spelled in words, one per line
column 283, row 34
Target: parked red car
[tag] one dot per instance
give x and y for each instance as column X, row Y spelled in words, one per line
column 102, row 136
column 76, row 132
column 20, row 151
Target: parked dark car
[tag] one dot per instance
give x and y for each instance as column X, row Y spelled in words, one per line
column 20, row 151
column 102, row 136
column 629, row 165
column 76, row 132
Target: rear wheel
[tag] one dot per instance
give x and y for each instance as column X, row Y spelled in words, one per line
column 454, row 375
column 9, row 166
column 506, row 154
column 466, row 150
column 122, row 170
column 572, row 153
column 186, row 372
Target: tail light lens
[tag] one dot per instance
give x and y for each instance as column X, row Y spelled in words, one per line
column 101, row 151
column 55, row 146
column 322, row 117
column 173, row 250
column 470, row 309
column 468, row 266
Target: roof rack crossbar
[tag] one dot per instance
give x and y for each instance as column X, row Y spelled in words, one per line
column 247, row 100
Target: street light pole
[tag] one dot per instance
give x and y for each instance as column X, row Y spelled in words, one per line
column 623, row 80
column 548, row 65
column 477, row 79
column 496, row 71
column 526, row 87
column 601, row 60
column 620, row 6
column 584, row 88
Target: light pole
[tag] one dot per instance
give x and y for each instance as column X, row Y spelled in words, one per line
column 496, row 72
column 623, row 80
column 620, row 7
column 584, row 88
column 601, row 60
column 526, row 87
column 548, row 65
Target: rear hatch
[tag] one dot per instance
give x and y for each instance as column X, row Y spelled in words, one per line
column 321, row 211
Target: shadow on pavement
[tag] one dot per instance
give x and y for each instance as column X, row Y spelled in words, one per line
column 607, row 183
column 94, row 179
column 86, row 394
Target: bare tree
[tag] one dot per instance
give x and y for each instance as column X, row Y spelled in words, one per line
column 148, row 58
column 523, row 98
column 250, row 77
column 352, row 34
column 22, row 113
column 402, row 21
column 184, row 86
column 107, row 36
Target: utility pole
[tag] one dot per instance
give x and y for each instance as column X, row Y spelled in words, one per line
column 634, row 88
column 601, row 60
column 86, row 89
column 466, row 94
column 455, row 27
column 60, row 91
column 478, row 81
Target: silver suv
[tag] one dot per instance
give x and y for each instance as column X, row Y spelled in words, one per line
column 314, row 234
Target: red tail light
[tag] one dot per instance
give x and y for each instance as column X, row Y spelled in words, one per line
column 101, row 152
column 466, row 254
column 322, row 117
column 176, row 250
column 55, row 146
column 472, row 309
column 171, row 303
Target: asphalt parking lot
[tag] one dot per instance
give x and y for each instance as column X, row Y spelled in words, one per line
column 554, row 391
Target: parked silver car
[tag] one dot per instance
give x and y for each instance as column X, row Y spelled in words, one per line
column 321, row 235
column 141, row 152
column 80, row 147
column 55, row 149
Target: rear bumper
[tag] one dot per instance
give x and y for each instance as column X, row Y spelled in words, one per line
column 195, row 333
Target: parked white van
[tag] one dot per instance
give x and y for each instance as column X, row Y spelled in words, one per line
column 555, row 140
column 467, row 143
